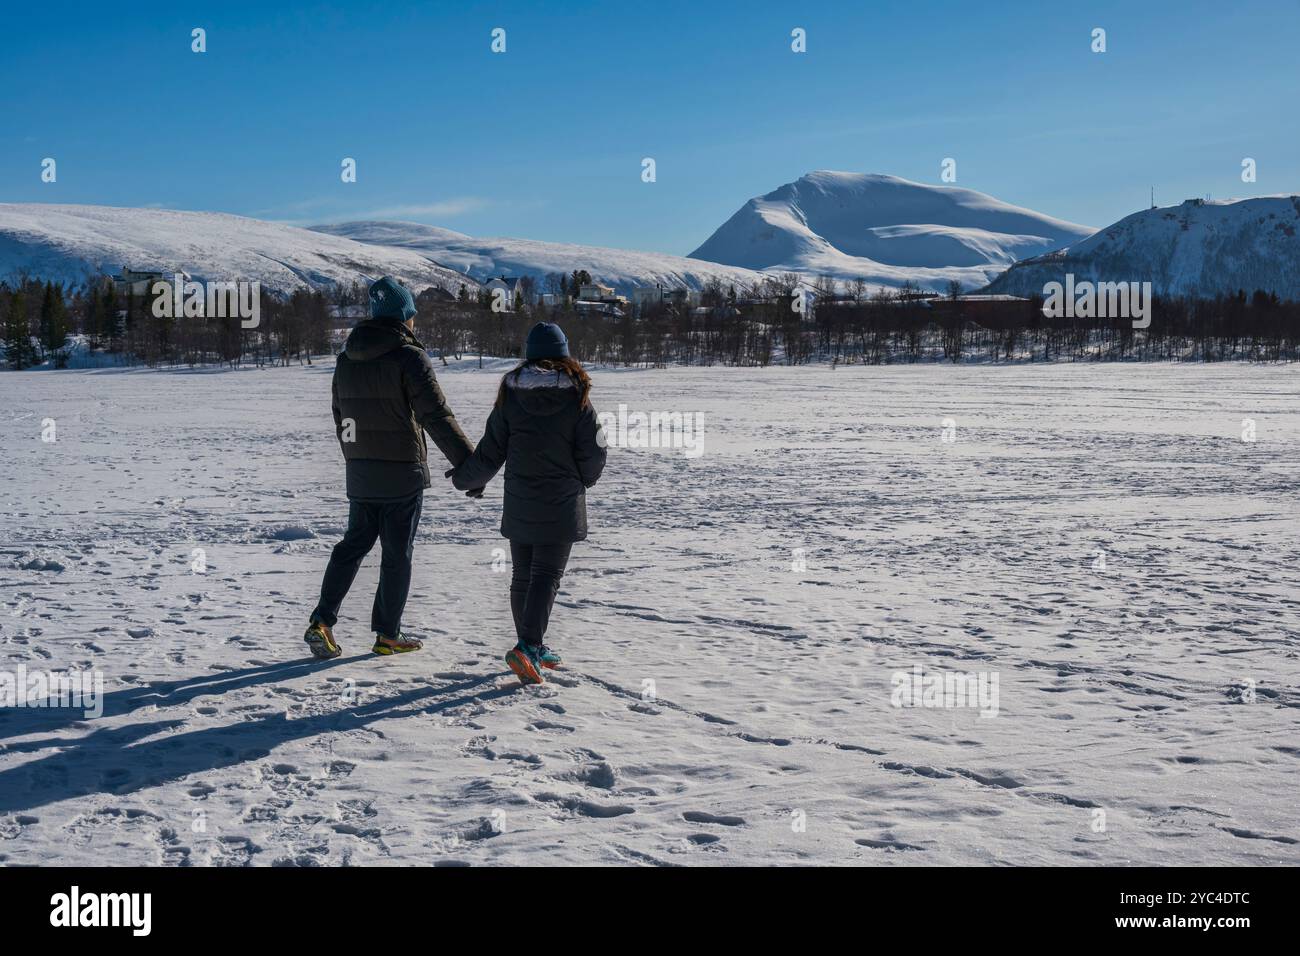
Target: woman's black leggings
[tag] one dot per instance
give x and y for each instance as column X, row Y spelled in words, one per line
column 534, row 581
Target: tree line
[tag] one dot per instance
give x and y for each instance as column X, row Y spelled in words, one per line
column 38, row 320
column 781, row 320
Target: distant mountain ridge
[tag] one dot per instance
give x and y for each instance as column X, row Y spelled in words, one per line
column 882, row 229
column 1201, row 248
column 69, row 243
column 885, row 230
column 484, row 258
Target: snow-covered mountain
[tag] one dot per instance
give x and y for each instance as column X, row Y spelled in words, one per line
column 484, row 258
column 71, row 243
column 1199, row 248
column 885, row 230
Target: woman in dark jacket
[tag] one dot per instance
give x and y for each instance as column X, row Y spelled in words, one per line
column 544, row 430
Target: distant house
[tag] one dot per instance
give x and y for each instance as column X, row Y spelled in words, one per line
column 134, row 282
column 608, row 309
column 975, row 306
column 939, row 300
column 838, row 300
column 653, row 295
column 597, row 298
column 647, row 295
column 510, row 285
column 436, row 293
column 595, row 292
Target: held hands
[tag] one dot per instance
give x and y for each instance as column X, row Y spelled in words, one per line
column 472, row 493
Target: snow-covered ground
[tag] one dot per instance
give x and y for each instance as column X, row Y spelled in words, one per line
column 1098, row 538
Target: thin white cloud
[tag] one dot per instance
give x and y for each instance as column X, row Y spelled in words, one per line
column 302, row 205
column 322, row 209
column 444, row 208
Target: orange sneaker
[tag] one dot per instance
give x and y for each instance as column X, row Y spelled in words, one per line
column 526, row 661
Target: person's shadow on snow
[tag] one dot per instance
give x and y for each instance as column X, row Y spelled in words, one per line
column 114, row 761
column 20, row 721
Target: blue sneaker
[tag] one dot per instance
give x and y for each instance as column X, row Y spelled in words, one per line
column 550, row 659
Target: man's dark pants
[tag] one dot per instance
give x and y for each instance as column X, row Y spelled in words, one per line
column 393, row 524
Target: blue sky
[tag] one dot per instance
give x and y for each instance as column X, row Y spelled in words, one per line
column 546, row 140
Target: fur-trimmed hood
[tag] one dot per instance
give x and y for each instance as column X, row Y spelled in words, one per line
column 541, row 391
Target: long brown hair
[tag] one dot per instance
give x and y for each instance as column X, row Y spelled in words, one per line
column 568, row 365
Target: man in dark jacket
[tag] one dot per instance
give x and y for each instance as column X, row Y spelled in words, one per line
column 385, row 399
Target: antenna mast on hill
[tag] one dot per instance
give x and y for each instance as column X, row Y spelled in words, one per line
column 1153, row 197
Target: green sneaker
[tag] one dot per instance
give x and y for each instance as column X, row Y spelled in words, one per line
column 550, row 659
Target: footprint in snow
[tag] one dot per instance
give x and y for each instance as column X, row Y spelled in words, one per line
column 598, row 775
column 700, row 816
column 587, row 808
column 888, row 845
column 551, row 725
column 1252, row 835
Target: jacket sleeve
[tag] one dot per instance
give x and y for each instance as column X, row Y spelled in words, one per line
column 488, row 457
column 430, row 407
column 338, row 414
column 589, row 447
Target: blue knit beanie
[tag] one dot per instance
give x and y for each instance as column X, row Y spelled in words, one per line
column 546, row 340
column 389, row 299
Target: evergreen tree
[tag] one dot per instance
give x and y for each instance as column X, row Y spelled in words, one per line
column 54, row 320
column 130, row 327
column 112, row 324
column 94, row 318
column 17, row 335
column 580, row 278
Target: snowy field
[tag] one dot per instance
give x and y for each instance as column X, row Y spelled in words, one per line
column 1098, row 539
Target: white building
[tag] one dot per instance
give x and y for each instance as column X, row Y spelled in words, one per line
column 647, row 295
column 652, row 295
column 595, row 292
column 510, row 285
column 134, row 282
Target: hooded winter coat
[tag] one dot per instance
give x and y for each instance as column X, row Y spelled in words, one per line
column 385, row 398
column 550, row 446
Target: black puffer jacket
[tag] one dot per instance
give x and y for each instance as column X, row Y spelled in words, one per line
column 552, row 453
column 384, row 388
